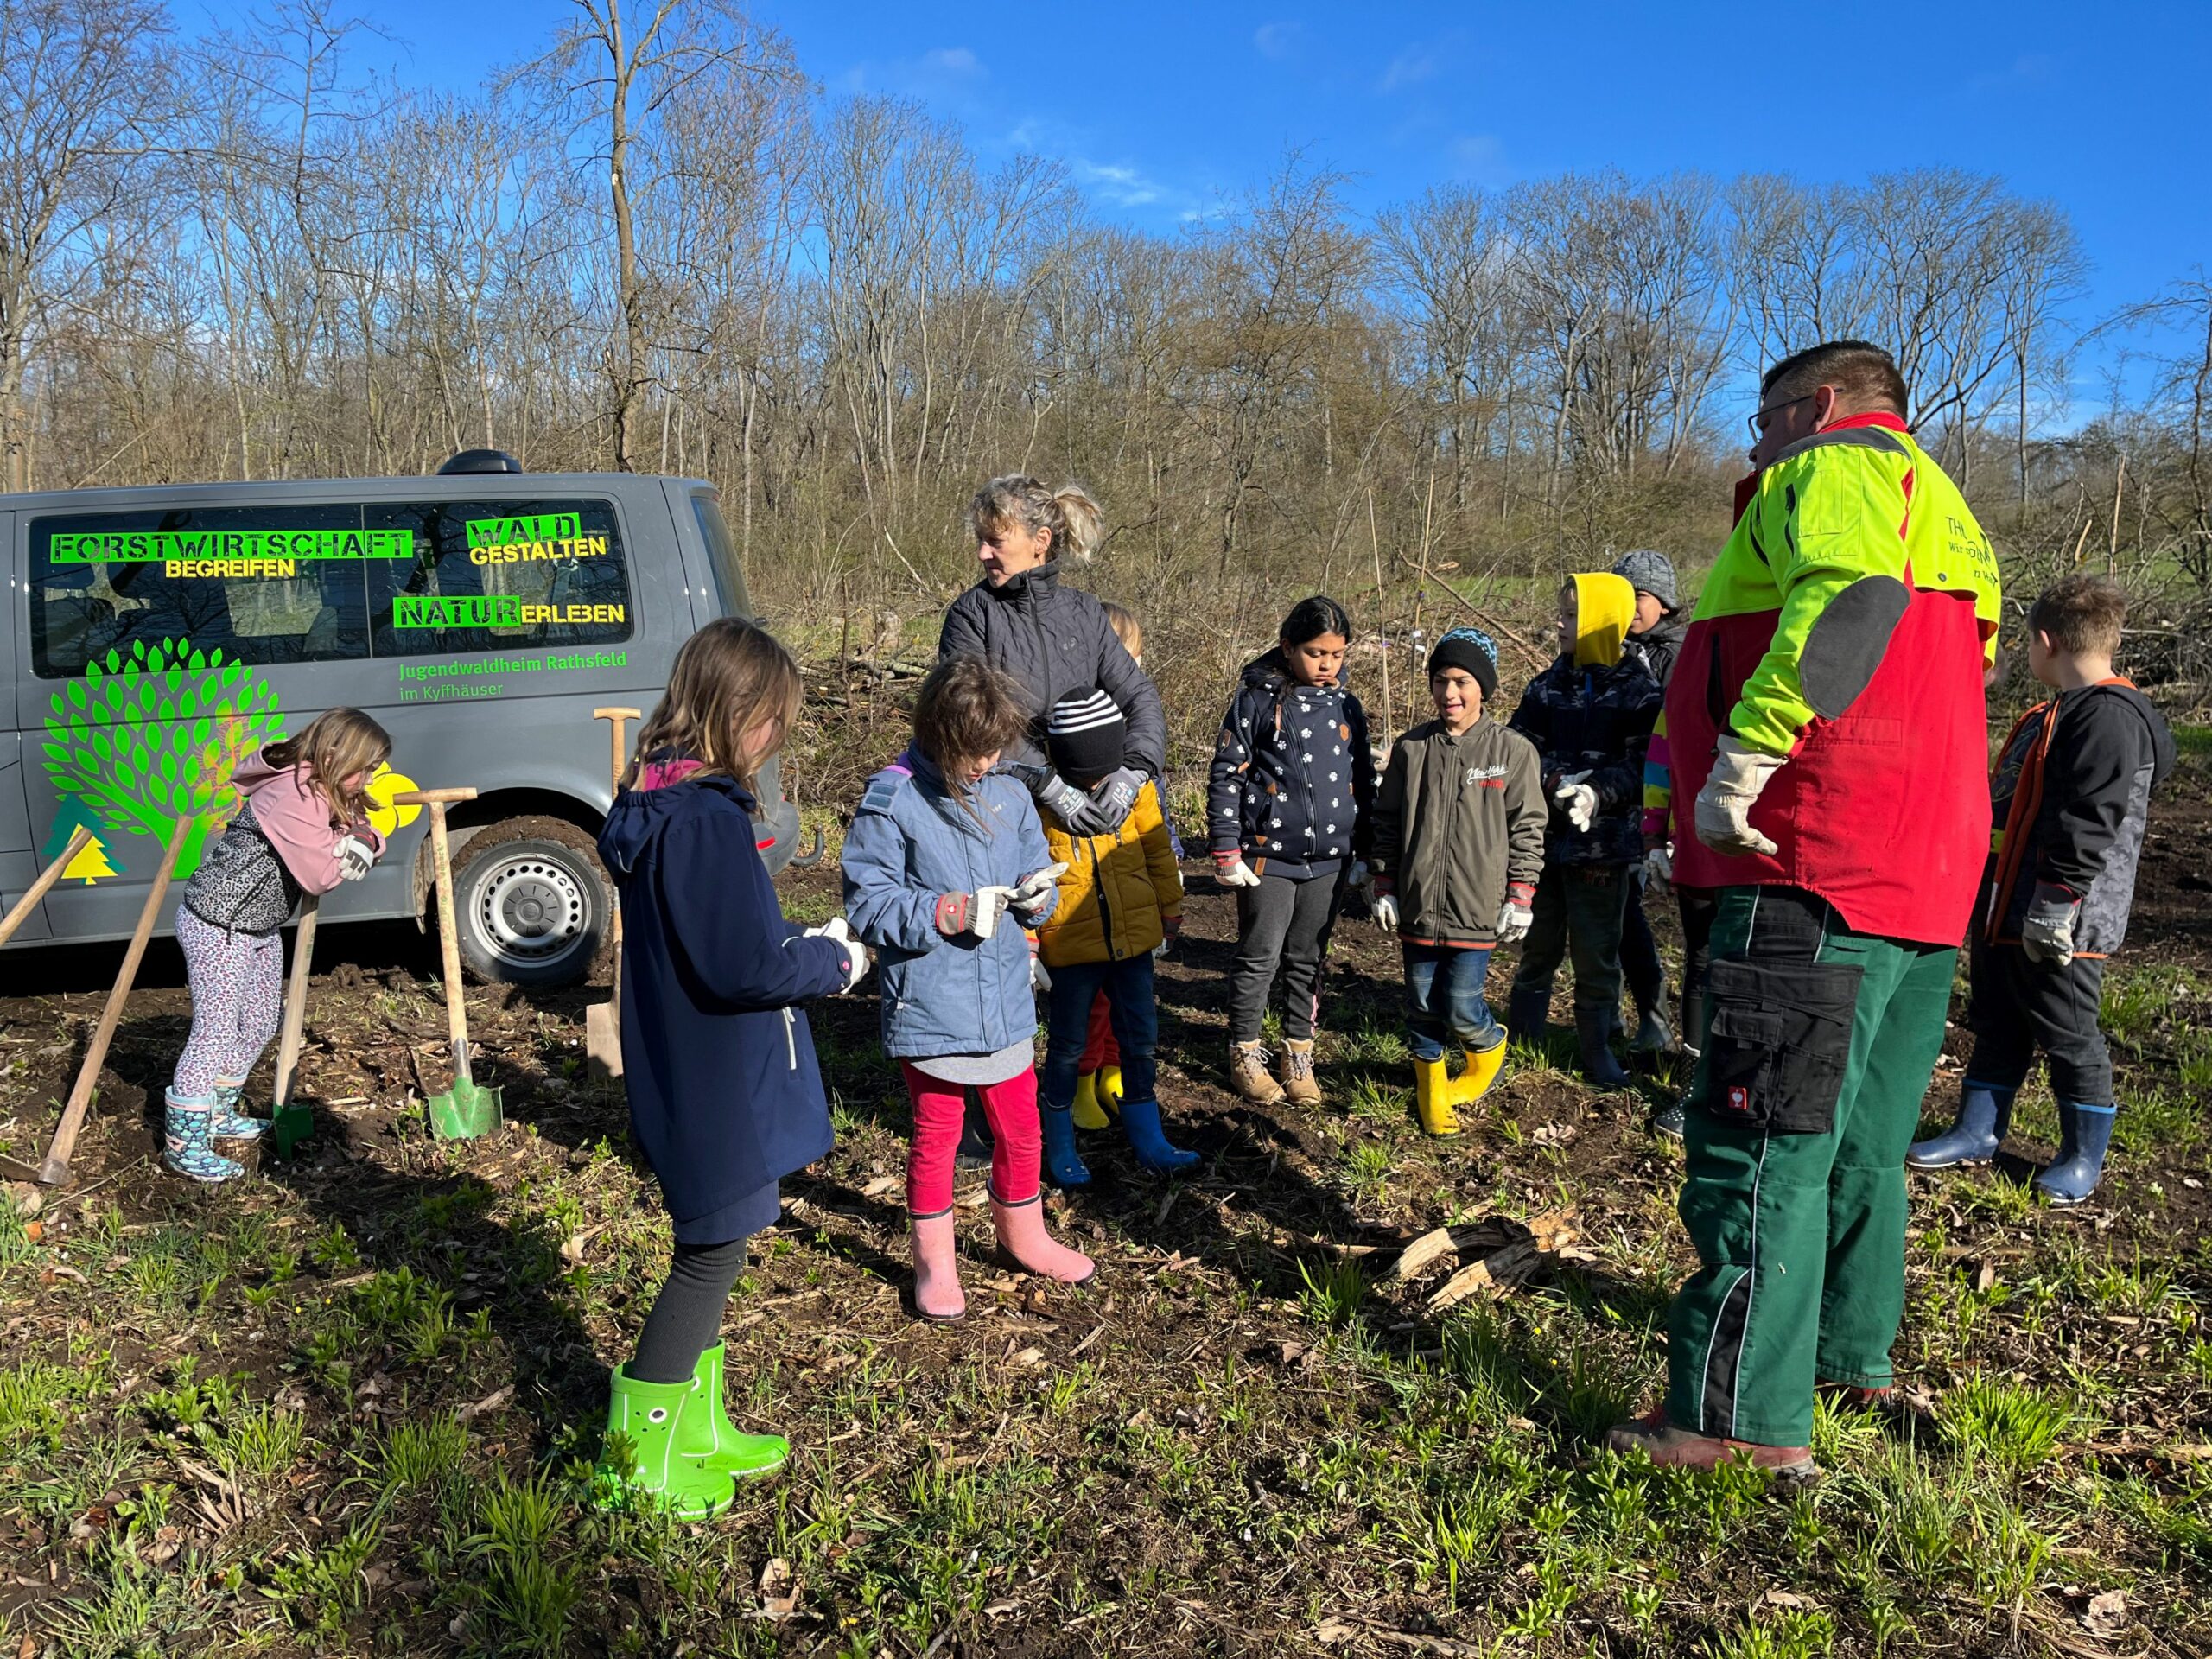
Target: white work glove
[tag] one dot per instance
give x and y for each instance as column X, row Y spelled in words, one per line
column 355, row 858
column 1519, row 914
column 1659, row 865
column 839, row 929
column 1040, row 977
column 1029, row 895
column 1105, row 808
column 1234, row 871
column 1580, row 799
column 2047, row 931
column 1386, row 912
column 1724, row 805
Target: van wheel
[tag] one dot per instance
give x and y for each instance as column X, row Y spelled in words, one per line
column 531, row 903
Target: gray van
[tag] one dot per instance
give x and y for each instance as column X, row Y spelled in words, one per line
column 479, row 615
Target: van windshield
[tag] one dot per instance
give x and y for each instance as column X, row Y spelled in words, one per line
column 722, row 556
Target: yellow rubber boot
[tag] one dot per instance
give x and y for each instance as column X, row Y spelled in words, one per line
column 1432, row 1093
column 1480, row 1075
column 1109, row 1090
column 1087, row 1113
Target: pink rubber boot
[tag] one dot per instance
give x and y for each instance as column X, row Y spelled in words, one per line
column 937, row 1269
column 1022, row 1236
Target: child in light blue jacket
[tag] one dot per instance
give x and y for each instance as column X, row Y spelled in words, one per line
column 944, row 865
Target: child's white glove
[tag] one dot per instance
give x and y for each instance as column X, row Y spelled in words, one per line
column 1724, row 805
column 1234, row 871
column 1659, row 865
column 839, row 929
column 1040, row 977
column 1579, row 799
column 1386, row 912
column 1519, row 914
column 355, row 858
column 1029, row 897
column 990, row 904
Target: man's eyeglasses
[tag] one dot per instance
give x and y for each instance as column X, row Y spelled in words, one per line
column 1764, row 417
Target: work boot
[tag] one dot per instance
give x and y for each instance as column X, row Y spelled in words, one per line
column 2084, row 1133
column 1061, row 1162
column 1525, row 1014
column 1140, row 1122
column 1478, row 1073
column 1299, row 1083
column 728, row 1449
column 1985, row 1113
column 1433, row 1099
column 1022, row 1236
column 1669, row 1121
column 230, row 1123
column 937, row 1268
column 188, row 1136
column 1088, row 1114
column 652, row 1415
column 1593, row 1032
column 1250, row 1076
column 1652, row 1038
column 1678, row 1448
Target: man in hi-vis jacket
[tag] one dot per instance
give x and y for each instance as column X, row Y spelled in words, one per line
column 1827, row 714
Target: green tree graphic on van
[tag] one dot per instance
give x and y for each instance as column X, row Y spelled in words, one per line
column 149, row 738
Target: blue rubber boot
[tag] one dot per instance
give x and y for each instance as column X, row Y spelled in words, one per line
column 2084, row 1132
column 230, row 1123
column 1985, row 1113
column 187, row 1148
column 1140, row 1122
column 1061, row 1162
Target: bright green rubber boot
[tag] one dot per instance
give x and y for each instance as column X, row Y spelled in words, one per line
column 662, row 1421
column 744, row 1456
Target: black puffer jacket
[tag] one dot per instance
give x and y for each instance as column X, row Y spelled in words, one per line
column 1055, row 640
column 1656, row 647
column 1598, row 720
column 1294, row 778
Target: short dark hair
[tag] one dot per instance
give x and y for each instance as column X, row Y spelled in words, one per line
column 1863, row 371
column 1312, row 618
column 2080, row 613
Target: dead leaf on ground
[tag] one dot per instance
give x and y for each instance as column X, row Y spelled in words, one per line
column 2107, row 1615
column 880, row 1186
column 1500, row 1271
column 491, row 1401
column 780, row 1591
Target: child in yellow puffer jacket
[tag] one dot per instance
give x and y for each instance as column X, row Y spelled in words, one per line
column 1121, row 897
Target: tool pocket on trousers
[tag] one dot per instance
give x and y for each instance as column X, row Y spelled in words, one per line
column 1780, row 1038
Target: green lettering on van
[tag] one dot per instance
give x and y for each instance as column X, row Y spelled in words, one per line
column 456, row 611
column 157, row 546
column 536, row 527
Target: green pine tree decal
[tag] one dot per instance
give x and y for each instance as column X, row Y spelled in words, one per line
column 149, row 738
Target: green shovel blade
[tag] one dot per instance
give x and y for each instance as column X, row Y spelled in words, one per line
column 292, row 1125
column 467, row 1111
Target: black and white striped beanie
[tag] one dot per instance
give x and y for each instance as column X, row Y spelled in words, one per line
column 1085, row 734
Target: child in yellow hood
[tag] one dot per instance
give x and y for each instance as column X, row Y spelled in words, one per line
column 1590, row 716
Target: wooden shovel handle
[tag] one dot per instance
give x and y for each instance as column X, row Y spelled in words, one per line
column 448, row 934
column 431, row 796
column 55, row 1170
column 295, row 1000
column 22, row 907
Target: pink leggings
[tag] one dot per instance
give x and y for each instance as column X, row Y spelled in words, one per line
column 1016, row 1139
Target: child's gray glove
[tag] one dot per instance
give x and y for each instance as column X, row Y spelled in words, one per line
column 355, row 858
column 2047, row 931
column 1106, row 807
column 1059, row 797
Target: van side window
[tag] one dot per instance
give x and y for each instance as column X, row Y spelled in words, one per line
column 722, row 555
column 492, row 575
column 265, row 584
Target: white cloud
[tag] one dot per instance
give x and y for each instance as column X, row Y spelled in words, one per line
column 1409, row 68
column 1124, row 185
column 1479, row 158
column 949, row 74
column 1276, row 40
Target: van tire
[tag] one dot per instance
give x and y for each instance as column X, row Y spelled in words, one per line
column 531, row 904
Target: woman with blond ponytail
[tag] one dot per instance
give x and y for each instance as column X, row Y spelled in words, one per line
column 1051, row 641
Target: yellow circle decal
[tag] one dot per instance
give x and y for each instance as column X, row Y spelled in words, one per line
column 384, row 817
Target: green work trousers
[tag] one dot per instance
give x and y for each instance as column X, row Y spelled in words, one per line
column 1821, row 1044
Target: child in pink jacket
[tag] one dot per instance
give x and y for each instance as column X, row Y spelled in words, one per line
column 303, row 827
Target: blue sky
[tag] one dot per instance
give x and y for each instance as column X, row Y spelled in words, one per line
column 1162, row 109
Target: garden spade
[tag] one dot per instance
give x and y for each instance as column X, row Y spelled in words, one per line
column 465, row 1110
column 603, row 1020
column 293, row 1124
column 24, row 906
column 54, row 1172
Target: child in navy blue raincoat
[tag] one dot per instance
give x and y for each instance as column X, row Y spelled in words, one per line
column 725, row 1095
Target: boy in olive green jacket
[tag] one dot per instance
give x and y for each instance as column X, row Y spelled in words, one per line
column 1458, row 848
